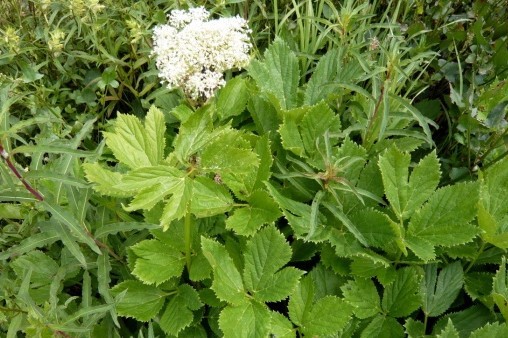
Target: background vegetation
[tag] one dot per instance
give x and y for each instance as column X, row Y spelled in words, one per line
column 353, row 181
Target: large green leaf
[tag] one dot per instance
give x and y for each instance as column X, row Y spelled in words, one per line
column 265, row 255
column 439, row 292
column 324, row 316
column 249, row 319
column 136, row 145
column 402, row 297
column 405, row 196
column 444, row 219
column 362, row 294
column 383, row 327
column 494, row 330
column 157, row 262
column 260, row 210
column 375, row 226
column 178, row 314
column 500, row 289
column 278, row 74
column 209, row 198
column 227, row 281
column 232, row 98
column 139, row 301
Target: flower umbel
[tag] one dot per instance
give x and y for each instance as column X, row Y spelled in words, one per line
column 192, row 51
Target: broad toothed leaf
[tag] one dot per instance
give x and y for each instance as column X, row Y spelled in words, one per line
column 157, row 262
column 227, row 281
column 278, row 74
column 178, row 314
column 439, row 291
column 363, row 296
column 140, row 301
column 246, row 320
column 402, row 297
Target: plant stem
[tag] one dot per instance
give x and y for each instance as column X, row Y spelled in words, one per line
column 188, row 238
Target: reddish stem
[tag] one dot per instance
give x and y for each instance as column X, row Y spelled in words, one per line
column 11, row 166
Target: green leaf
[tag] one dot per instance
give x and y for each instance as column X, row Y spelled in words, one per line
column 318, row 87
column 467, row 320
column 70, row 243
column 195, row 133
column 439, row 292
column 227, row 281
column 281, row 326
column 248, row 319
column 315, row 124
column 375, row 226
column 78, row 230
column 449, row 331
column 444, row 219
column 278, row 75
column 232, row 98
column 266, row 253
column 301, row 301
column 382, row 326
column 105, row 180
column 414, row 328
column 491, row 330
column 140, row 301
column 329, row 315
column 260, row 210
column 406, row 197
column 178, row 314
column 363, row 296
column 103, row 280
column 157, row 262
column 145, row 177
column 178, row 204
column 421, row 247
column 209, row 198
column 500, row 289
column 402, row 297
column 31, row 243
column 136, row 145
column 155, row 125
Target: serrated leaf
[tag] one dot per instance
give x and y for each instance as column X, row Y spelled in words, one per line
column 318, row 87
column 249, row 320
column 382, row 326
column 439, row 292
column 155, row 126
column 178, row 204
column 200, row 269
column 414, row 328
column 196, row 132
column 449, row 331
column 405, row 196
column 316, row 122
column 281, row 326
column 301, row 301
column 209, row 198
column 178, row 314
column 278, row 286
column 264, row 154
column 141, row 178
column 227, row 282
column 132, row 143
column 363, row 296
column 232, row 98
column 105, row 180
column 491, row 330
column 265, row 254
column 444, row 219
column 78, row 230
column 375, row 226
column 421, row 247
column 157, row 262
column 500, row 289
column 140, row 301
column 466, row 320
column 260, row 210
column 30, row 243
column 402, row 297
column 278, row 74
column 329, row 315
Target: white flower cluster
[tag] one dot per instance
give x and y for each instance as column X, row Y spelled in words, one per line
column 192, row 52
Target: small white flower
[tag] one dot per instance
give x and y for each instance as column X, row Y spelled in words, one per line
column 192, row 52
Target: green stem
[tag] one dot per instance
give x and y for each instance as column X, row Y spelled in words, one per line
column 188, row 239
